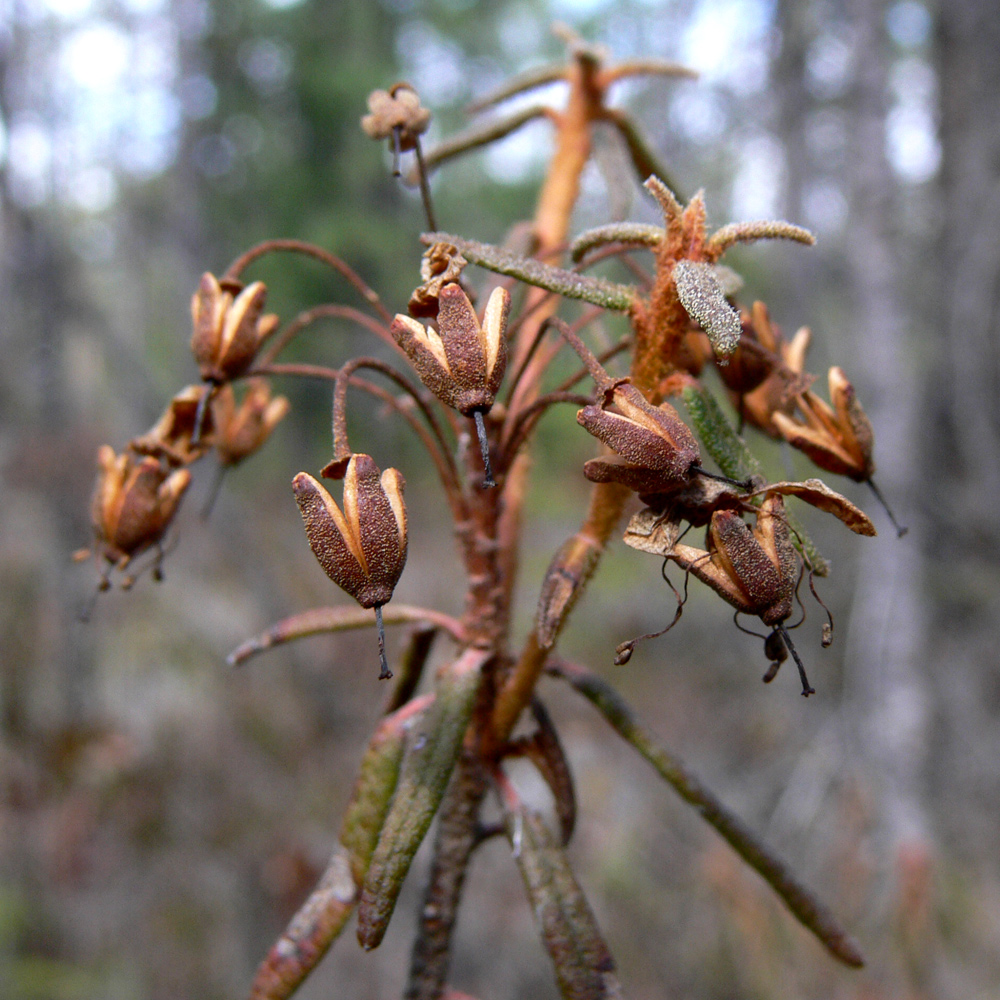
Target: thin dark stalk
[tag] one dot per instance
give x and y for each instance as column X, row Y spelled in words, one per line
column 743, row 484
column 397, row 150
column 807, row 688
column 901, row 529
column 201, row 412
column 385, row 673
column 425, row 186
column 412, row 668
column 484, row 447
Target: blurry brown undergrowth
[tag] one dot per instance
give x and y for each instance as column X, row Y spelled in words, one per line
column 474, row 363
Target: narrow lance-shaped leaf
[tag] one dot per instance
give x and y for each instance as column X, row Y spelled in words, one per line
column 749, row 232
column 583, row 964
column 375, row 786
column 567, row 575
column 705, row 302
column 479, row 134
column 309, row 934
column 806, row 908
column 322, row 917
column 318, row 621
column 434, row 744
column 735, row 460
column 597, row 291
column 638, row 234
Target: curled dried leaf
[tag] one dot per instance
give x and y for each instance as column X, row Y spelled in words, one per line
column 652, row 532
column 817, row 493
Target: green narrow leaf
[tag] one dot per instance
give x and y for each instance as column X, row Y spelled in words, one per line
column 569, row 284
column 804, row 906
column 583, row 964
column 632, row 233
column 375, row 786
column 433, row 747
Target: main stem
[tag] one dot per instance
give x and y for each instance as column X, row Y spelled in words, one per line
column 490, row 541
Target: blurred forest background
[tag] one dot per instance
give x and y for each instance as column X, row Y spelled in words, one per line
column 161, row 815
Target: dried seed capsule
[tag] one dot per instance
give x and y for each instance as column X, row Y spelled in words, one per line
column 134, row 503
column 655, row 449
column 462, row 362
column 242, row 430
column 363, row 549
column 228, row 329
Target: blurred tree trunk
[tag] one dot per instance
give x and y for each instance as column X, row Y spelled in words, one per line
column 968, row 405
column 962, row 462
column 886, row 686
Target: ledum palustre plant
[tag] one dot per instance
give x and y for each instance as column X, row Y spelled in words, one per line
column 464, row 373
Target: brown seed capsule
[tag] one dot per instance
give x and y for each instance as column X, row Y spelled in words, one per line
column 134, row 503
column 242, row 430
column 228, row 330
column 462, row 362
column 655, row 449
column 838, row 439
column 755, row 570
column 363, row 548
column 172, row 437
column 396, row 110
column 787, row 380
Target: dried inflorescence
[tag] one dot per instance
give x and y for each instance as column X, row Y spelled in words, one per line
column 240, row 430
column 172, row 438
column 463, row 361
column 363, row 548
column 440, row 751
column 839, row 439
